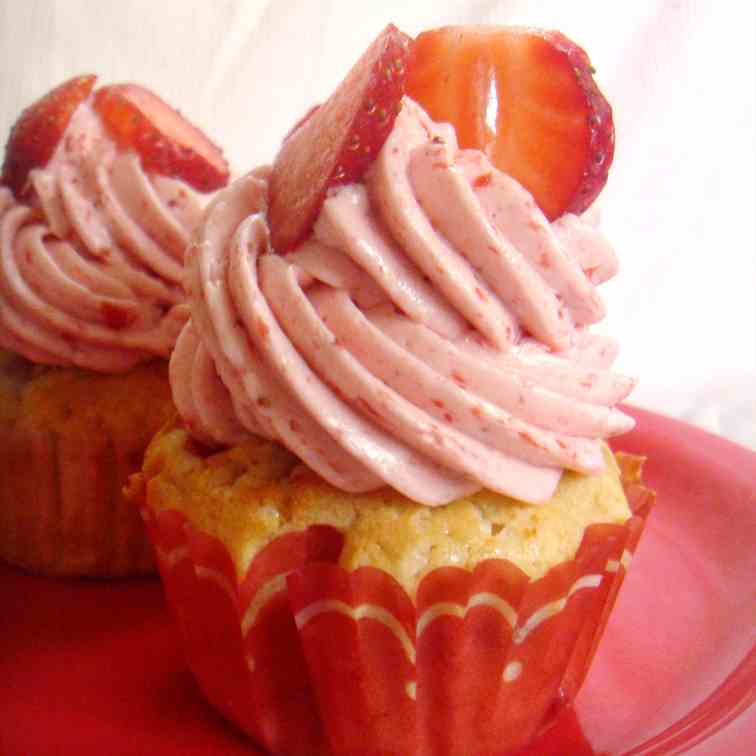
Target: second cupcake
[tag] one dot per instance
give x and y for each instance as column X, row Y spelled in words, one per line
column 97, row 205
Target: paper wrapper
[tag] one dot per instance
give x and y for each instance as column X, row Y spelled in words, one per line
column 62, row 508
column 308, row 658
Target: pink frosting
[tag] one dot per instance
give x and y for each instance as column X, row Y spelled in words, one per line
column 91, row 269
column 431, row 334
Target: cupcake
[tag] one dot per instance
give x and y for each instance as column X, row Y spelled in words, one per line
column 386, row 516
column 97, row 205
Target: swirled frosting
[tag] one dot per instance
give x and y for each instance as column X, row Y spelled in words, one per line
column 432, row 334
column 91, row 268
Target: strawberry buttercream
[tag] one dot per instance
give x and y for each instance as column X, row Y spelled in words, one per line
column 431, row 334
column 91, row 266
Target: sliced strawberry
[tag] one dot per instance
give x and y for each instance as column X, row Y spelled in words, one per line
column 337, row 142
column 166, row 142
column 525, row 97
column 39, row 129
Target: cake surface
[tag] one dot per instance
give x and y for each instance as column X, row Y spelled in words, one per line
column 248, row 495
column 72, row 402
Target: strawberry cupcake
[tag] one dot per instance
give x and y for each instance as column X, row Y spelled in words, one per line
column 97, row 205
column 387, row 518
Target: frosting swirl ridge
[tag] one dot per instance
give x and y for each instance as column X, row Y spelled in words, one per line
column 432, row 334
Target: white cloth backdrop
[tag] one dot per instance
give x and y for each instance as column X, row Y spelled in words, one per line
column 679, row 205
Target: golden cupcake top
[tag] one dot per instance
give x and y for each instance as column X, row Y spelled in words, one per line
column 251, row 494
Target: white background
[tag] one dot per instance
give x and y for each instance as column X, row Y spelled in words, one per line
column 679, row 205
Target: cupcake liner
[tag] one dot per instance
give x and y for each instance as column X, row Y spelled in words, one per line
column 308, row 658
column 62, row 509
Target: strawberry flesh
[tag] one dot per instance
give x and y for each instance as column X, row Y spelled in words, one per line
column 527, row 98
column 39, row 129
column 336, row 143
column 166, row 142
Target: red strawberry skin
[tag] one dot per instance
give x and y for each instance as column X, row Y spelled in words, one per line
column 39, row 129
column 166, row 142
column 600, row 124
column 337, row 142
column 528, row 99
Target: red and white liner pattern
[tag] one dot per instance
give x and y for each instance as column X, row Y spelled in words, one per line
column 308, row 658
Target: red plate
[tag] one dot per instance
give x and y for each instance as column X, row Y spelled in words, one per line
column 92, row 668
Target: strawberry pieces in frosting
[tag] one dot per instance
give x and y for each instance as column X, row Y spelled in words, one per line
column 39, row 128
column 525, row 97
column 336, row 143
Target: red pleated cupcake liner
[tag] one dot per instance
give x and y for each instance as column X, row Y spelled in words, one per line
column 62, row 509
column 308, row 658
